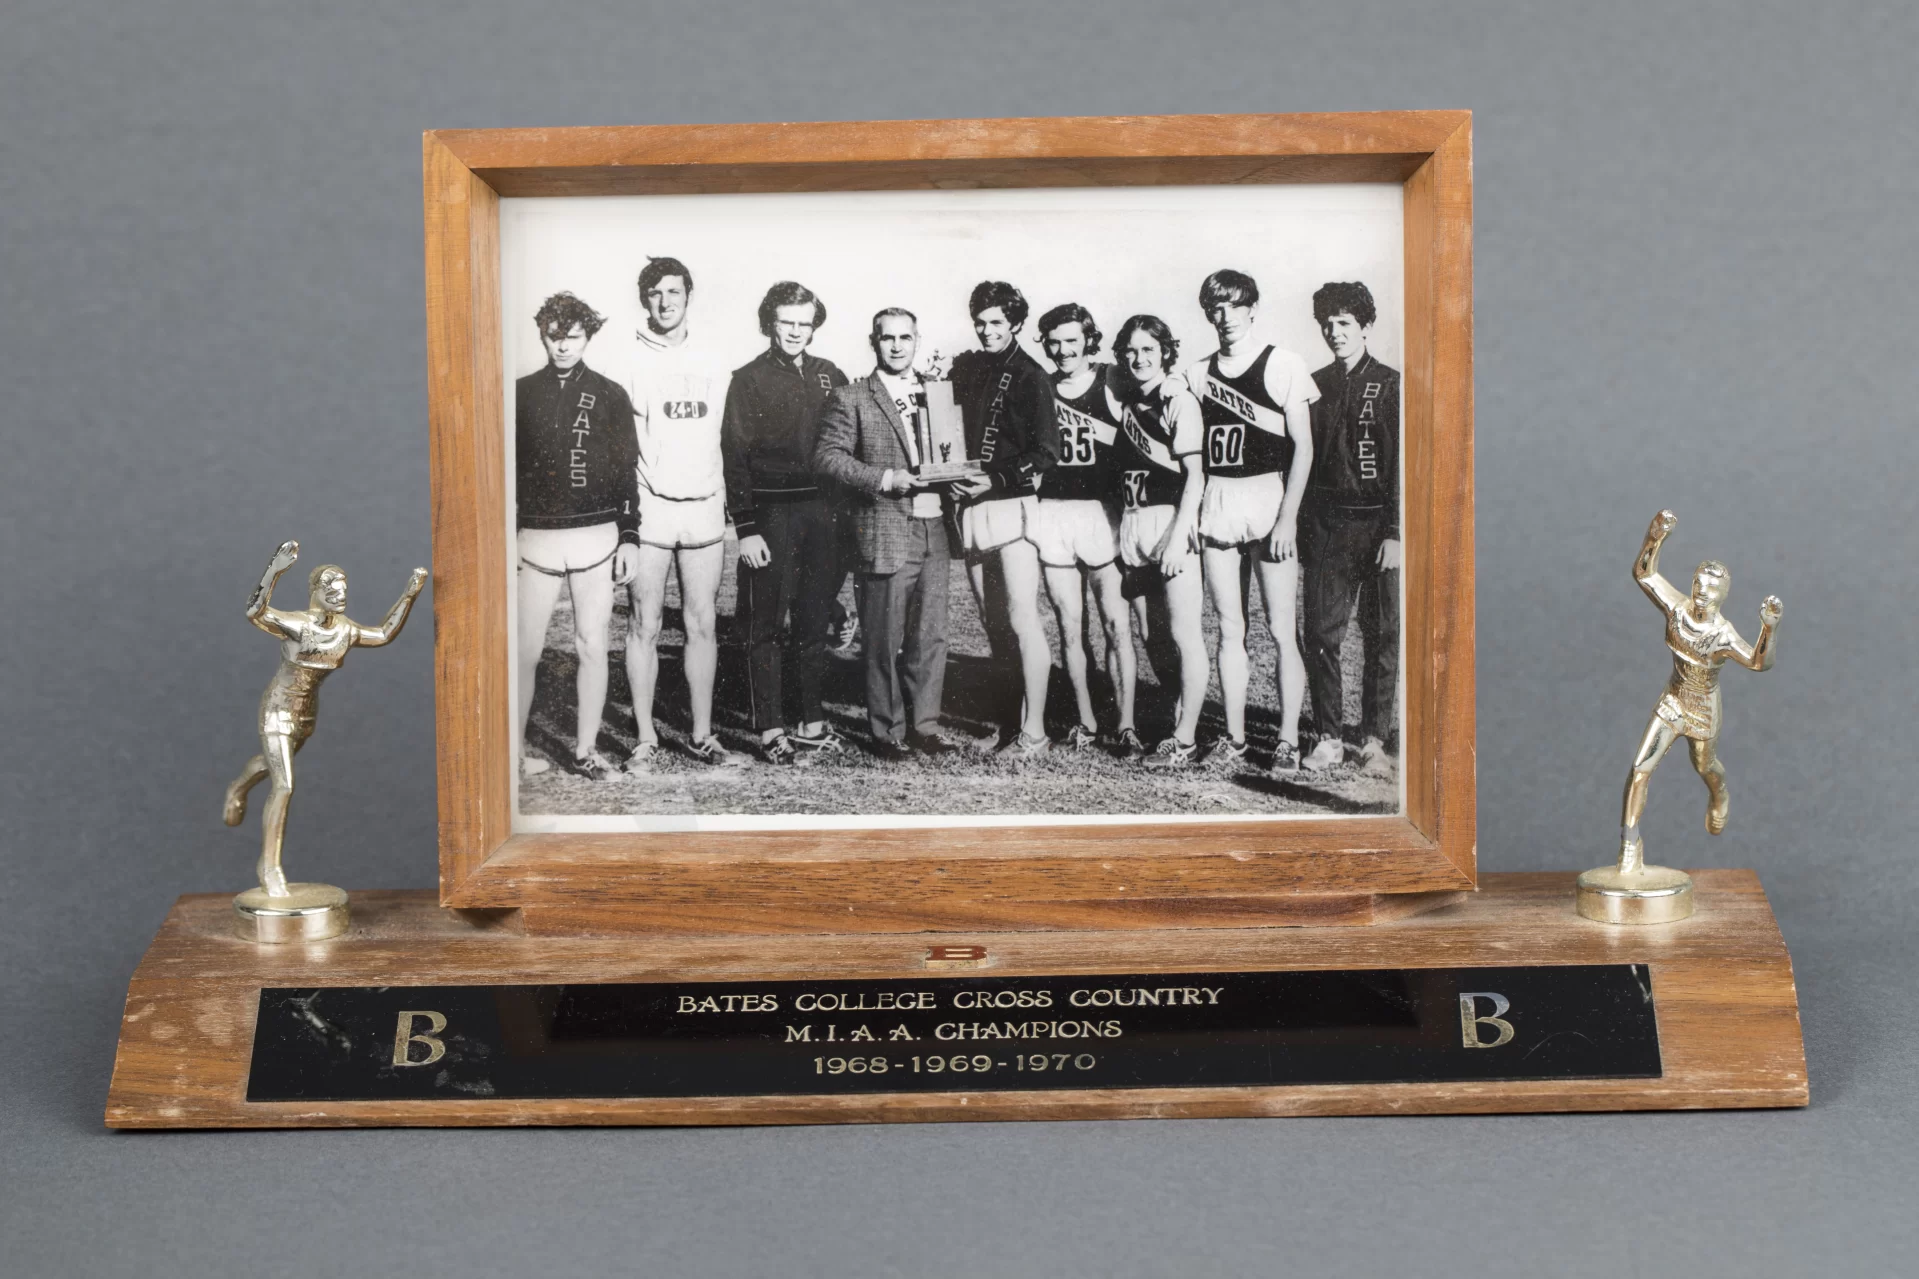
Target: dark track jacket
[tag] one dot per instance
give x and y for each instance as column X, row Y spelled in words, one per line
column 1356, row 439
column 1012, row 429
column 768, row 433
column 575, row 452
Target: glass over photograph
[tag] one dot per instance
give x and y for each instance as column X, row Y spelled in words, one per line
column 972, row 507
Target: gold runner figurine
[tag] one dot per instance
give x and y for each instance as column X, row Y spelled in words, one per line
column 313, row 643
column 1702, row 641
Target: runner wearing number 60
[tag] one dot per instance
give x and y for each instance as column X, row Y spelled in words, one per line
column 1258, row 451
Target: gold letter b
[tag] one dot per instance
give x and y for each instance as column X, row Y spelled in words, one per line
column 404, row 1038
column 1470, row 1021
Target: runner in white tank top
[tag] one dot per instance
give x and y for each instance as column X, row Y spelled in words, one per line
column 678, row 394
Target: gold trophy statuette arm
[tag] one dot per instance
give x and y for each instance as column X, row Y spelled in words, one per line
column 389, row 630
column 1758, row 655
column 1645, row 569
column 260, row 610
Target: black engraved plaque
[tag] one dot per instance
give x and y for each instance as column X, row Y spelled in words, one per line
column 955, row 1034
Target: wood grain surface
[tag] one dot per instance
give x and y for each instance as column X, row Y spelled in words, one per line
column 1099, row 876
column 1726, row 1006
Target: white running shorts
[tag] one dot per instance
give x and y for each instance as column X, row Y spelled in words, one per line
column 996, row 522
column 560, row 551
column 1076, row 532
column 1139, row 532
column 1238, row 509
column 678, row 525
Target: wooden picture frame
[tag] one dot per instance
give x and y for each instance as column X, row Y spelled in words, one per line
column 1218, row 874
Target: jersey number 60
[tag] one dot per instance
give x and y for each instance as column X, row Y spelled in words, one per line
column 1225, row 445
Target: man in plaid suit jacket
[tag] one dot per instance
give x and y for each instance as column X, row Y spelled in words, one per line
column 868, row 444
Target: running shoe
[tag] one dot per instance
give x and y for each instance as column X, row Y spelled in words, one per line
column 826, row 741
column 1227, row 753
column 531, row 765
column 1373, row 757
column 931, row 744
column 1024, row 747
column 779, row 750
column 1329, row 752
column 1128, row 744
column 1173, row 753
column 1285, row 758
column 594, row 766
column 1078, row 738
column 707, row 750
column 644, row 759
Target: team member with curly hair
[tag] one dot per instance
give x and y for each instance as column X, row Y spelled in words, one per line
column 1161, row 480
column 1075, row 529
column 1350, row 529
column 1006, row 404
column 576, row 509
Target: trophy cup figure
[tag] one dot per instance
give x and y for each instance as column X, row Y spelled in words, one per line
column 1702, row 641
column 941, row 435
column 313, row 643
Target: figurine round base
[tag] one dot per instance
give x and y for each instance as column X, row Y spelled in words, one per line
column 1650, row 895
column 308, row 912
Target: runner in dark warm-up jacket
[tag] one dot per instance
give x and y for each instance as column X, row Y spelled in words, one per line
column 789, row 544
column 1350, row 528
column 577, row 514
column 1006, row 403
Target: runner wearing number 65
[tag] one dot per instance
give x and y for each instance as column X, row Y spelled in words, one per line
column 1258, row 451
column 1075, row 529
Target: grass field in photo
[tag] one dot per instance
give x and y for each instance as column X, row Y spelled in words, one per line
column 973, row 782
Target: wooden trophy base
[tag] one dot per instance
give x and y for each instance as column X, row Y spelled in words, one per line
column 498, row 1028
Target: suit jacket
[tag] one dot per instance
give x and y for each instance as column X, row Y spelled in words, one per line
column 861, row 438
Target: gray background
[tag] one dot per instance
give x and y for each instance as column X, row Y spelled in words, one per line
column 1695, row 252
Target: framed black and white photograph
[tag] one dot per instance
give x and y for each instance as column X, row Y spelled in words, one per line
column 989, row 507
column 907, row 525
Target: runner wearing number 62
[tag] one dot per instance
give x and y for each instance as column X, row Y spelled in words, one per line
column 1258, row 451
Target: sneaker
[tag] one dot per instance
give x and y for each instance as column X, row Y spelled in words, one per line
column 826, row 741
column 1227, row 753
column 1024, row 747
column 889, row 751
column 595, row 767
column 1373, row 757
column 1128, row 744
column 1078, row 738
column 1173, row 753
column 779, row 750
column 1285, row 758
column 707, row 750
column 644, row 759
column 1329, row 752
column 530, row 766
column 930, row 744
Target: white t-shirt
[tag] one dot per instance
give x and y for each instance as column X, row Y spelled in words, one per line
column 678, row 394
column 926, row 502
